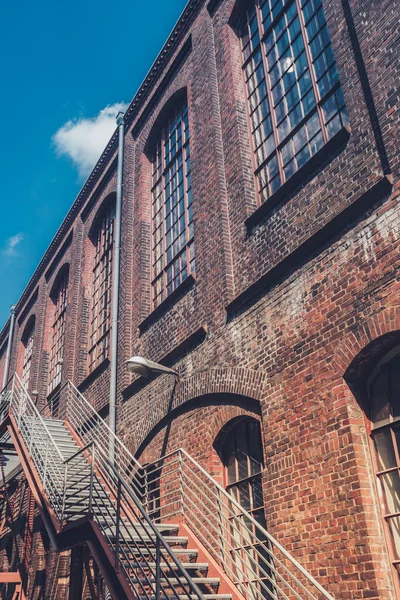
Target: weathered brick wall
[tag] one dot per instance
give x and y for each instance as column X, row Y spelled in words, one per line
column 277, row 312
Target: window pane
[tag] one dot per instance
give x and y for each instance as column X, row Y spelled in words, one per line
column 58, row 334
column 100, row 325
column 394, row 525
column 379, row 400
column 257, row 494
column 172, row 205
column 282, row 63
column 384, row 447
column 391, row 486
column 395, row 387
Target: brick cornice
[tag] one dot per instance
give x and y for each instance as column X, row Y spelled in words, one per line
column 179, row 31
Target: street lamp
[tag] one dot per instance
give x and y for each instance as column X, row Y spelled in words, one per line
column 145, row 367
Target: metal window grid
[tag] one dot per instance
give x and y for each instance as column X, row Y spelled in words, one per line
column 58, row 334
column 173, row 230
column 243, row 459
column 27, row 362
column 100, row 317
column 385, row 444
column 295, row 102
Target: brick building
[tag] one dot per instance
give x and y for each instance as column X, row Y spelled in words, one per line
column 259, row 259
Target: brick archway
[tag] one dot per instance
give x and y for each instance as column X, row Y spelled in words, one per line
column 381, row 325
column 245, row 387
column 222, row 380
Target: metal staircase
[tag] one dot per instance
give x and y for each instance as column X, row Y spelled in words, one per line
column 165, row 531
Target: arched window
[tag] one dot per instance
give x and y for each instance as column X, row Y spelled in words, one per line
column 242, row 456
column 384, row 428
column 295, row 100
column 27, row 342
column 59, row 297
column 173, row 232
column 100, row 313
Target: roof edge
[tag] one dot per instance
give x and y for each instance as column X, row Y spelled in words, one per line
column 176, row 35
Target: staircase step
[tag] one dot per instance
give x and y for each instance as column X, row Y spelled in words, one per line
column 189, row 554
column 62, row 435
column 172, row 540
column 211, row 581
column 205, row 584
column 161, row 527
column 188, row 597
column 189, row 566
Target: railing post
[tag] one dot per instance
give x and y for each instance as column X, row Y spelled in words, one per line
column 91, row 481
column 158, row 568
column 146, row 490
column 12, row 390
column 45, row 465
column 64, row 492
column 221, row 530
column 181, row 483
column 117, row 524
column 31, row 440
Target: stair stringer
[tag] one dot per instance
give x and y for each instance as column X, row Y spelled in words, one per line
column 215, row 570
column 81, row 531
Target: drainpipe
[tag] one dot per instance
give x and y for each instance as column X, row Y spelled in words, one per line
column 9, row 345
column 115, row 282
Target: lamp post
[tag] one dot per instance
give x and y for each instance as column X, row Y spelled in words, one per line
column 145, row 367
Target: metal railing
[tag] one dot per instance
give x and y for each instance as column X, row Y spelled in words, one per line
column 126, row 500
column 89, row 483
column 258, row 565
column 37, row 438
column 70, row 405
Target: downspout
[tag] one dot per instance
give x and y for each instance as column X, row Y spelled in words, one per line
column 9, row 345
column 115, row 283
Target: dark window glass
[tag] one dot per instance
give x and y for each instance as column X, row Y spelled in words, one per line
column 294, row 97
column 28, row 353
column 243, row 459
column 100, row 317
column 384, row 401
column 173, row 231
column 58, row 334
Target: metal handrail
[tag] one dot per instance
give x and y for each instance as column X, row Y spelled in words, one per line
column 257, row 525
column 41, row 445
column 119, row 490
column 154, row 529
column 35, row 410
column 107, row 498
column 238, row 519
column 184, row 485
column 86, row 421
column 102, row 467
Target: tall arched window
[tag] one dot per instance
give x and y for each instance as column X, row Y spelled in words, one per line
column 173, row 231
column 295, row 100
column 384, row 428
column 100, row 313
column 27, row 342
column 242, row 456
column 59, row 297
column 243, row 460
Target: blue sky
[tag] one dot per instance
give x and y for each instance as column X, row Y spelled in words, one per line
column 62, row 65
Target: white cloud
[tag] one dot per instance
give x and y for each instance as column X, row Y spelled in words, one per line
column 11, row 243
column 83, row 140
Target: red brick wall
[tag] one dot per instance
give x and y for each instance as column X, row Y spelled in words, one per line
column 283, row 308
